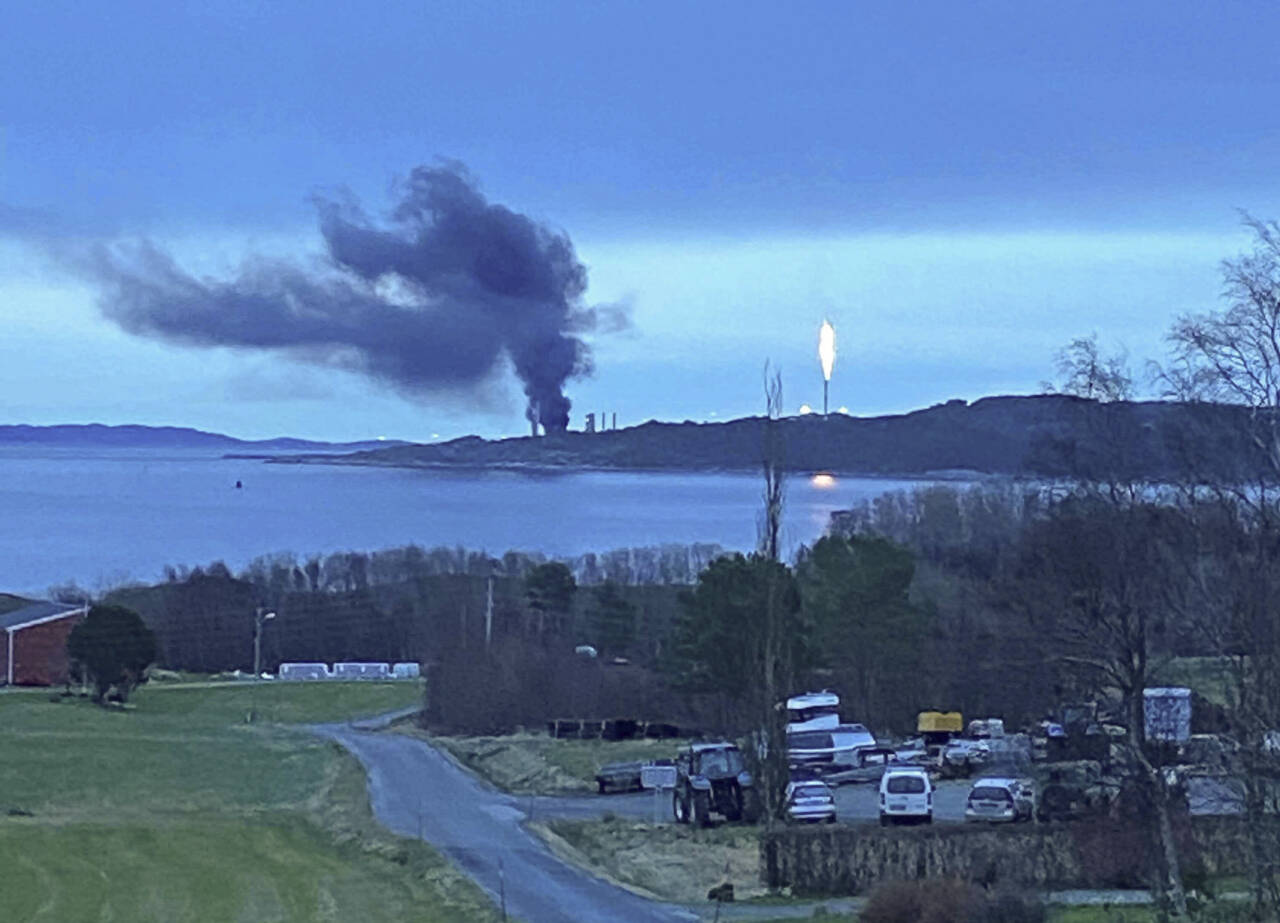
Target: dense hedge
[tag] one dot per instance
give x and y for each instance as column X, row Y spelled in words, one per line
column 844, row 860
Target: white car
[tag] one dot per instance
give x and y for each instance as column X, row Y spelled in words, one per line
column 811, row 801
column 1000, row 801
column 906, row 795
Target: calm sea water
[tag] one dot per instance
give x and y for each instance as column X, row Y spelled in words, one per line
column 102, row 517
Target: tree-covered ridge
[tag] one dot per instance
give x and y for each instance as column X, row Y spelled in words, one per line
column 1035, row 436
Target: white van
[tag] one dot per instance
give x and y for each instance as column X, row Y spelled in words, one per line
column 906, row 795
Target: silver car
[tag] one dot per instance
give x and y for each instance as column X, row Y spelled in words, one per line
column 811, row 801
column 1000, row 801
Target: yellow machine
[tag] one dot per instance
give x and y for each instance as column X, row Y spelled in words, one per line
column 939, row 722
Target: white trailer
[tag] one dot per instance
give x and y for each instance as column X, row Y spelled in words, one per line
column 361, row 670
column 304, row 671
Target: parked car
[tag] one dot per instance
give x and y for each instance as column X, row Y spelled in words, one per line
column 811, row 802
column 906, row 795
column 712, row 777
column 1000, row 801
column 962, row 756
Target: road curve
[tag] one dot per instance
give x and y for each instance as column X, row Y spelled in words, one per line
column 418, row 792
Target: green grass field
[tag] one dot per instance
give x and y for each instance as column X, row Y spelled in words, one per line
column 177, row 810
column 669, row 861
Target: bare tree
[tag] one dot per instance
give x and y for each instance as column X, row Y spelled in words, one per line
column 776, row 657
column 774, row 468
column 1101, row 585
column 1085, row 372
column 1094, row 578
column 1232, row 356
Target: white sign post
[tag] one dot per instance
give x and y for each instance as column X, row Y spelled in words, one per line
column 658, row 778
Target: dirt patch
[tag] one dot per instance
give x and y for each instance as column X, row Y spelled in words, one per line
column 537, row 764
column 667, row 861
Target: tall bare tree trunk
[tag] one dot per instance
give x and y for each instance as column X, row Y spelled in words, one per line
column 776, row 679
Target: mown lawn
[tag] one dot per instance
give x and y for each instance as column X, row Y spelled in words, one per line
column 177, row 810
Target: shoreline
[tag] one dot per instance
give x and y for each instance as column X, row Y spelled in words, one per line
column 948, row 475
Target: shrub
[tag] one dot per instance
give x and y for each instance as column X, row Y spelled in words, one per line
column 948, row 900
column 1012, row 907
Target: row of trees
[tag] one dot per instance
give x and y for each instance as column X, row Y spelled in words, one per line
column 352, row 571
column 844, row 618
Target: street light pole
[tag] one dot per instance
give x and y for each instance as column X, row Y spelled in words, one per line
column 260, row 616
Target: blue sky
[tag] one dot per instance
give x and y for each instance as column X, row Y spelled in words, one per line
column 962, row 188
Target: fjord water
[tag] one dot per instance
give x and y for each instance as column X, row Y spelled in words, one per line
column 105, row 516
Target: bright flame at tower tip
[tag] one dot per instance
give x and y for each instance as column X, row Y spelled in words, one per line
column 827, row 356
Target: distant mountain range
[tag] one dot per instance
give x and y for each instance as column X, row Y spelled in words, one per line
column 1043, row 436
column 166, row 437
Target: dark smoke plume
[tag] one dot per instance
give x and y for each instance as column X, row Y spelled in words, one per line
column 428, row 303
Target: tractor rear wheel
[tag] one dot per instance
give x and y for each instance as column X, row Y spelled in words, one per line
column 680, row 806
column 701, row 809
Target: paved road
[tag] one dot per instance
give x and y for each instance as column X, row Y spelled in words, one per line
column 418, row 792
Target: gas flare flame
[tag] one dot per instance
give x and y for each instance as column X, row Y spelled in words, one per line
column 827, row 348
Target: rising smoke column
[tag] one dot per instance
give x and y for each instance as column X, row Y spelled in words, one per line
column 429, row 302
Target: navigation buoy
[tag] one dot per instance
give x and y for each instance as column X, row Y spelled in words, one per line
column 238, row 485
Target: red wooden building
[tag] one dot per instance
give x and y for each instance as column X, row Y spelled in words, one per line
column 33, row 643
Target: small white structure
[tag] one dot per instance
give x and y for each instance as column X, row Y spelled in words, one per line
column 657, row 777
column 304, row 671
column 1167, row 713
column 813, row 711
column 361, row 670
column 406, row 670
